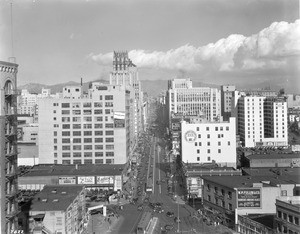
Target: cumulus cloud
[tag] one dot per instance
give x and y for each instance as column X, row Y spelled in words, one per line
column 267, row 49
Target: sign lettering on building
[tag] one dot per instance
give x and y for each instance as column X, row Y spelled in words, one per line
column 105, row 180
column 86, row 180
column 249, row 197
column 190, row 136
column 67, row 180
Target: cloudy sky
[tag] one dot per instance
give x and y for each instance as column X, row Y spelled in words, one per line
column 213, row 41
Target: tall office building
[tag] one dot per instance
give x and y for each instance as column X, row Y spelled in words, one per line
column 262, row 121
column 8, row 147
column 183, row 98
column 125, row 73
column 226, row 96
column 88, row 130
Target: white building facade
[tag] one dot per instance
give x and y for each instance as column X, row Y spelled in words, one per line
column 262, row 121
column 90, row 130
column 185, row 99
column 209, row 141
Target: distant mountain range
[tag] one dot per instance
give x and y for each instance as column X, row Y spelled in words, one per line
column 152, row 87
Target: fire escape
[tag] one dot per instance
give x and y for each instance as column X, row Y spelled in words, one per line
column 11, row 187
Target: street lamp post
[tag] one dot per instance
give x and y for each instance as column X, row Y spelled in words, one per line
column 178, row 215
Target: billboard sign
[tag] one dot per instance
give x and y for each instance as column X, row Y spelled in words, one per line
column 119, row 119
column 86, row 180
column 249, row 197
column 105, row 180
column 67, row 180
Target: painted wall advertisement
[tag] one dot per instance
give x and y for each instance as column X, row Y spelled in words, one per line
column 67, row 180
column 119, row 119
column 86, row 180
column 249, row 197
column 118, row 183
column 105, row 180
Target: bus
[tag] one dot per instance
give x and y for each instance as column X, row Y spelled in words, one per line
column 144, row 224
column 149, row 185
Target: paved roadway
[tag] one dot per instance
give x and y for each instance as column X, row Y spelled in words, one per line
column 130, row 216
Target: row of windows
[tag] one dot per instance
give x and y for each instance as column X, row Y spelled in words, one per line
column 85, row 112
column 288, row 217
column 216, row 190
column 90, row 140
column 87, row 161
column 219, row 202
column 208, row 151
column 216, row 128
column 85, row 119
column 85, row 154
column 87, row 147
column 86, row 104
column 208, row 143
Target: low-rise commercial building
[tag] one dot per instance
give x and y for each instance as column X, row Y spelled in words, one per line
column 229, row 196
column 288, row 215
column 58, row 209
column 105, row 177
column 274, row 160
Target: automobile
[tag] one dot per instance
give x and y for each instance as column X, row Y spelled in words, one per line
column 140, row 207
column 177, row 220
column 163, row 180
column 169, row 227
column 158, row 204
column 146, row 199
column 170, row 214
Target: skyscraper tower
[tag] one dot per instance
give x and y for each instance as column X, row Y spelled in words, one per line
column 8, row 147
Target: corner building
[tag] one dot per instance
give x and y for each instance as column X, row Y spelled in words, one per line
column 89, row 130
column 8, row 147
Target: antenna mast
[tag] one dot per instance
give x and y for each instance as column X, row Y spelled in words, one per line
column 12, row 58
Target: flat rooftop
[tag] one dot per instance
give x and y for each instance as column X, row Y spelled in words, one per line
column 80, row 170
column 274, row 155
column 55, row 197
column 247, row 181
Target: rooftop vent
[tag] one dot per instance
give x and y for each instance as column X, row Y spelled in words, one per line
column 63, row 192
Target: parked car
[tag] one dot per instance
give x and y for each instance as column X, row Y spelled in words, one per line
column 140, row 207
column 169, row 227
column 177, row 220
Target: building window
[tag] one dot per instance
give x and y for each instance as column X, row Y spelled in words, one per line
column 223, row 203
column 216, row 128
column 229, row 195
column 65, row 133
column 55, row 155
column 65, row 112
column 76, row 119
column 208, row 151
column 284, row 216
column 76, row 126
column 87, row 140
column 109, row 133
column 65, row 140
column 88, row 154
column 109, row 161
column 228, row 142
column 66, row 155
column 99, row 161
column 208, row 158
column 279, row 214
column 88, row 161
column 87, row 133
column 66, row 147
column 109, row 154
column 97, row 112
column 100, row 147
column 290, row 219
column 65, row 105
column 208, row 143
column 229, row 206
column 110, row 139
column 88, row 147
column 87, row 126
column 87, row 104
column 219, row 142
column 197, row 128
column 208, row 187
column 196, row 143
column 227, row 128
column 109, row 125
column 107, row 111
column 219, row 151
column 216, row 200
column 77, row 161
column 109, row 97
column 98, row 133
column 55, row 133
column 208, row 198
column 55, row 140
column 283, row 192
column 207, row 128
column 77, row 154
column 199, row 135
column 77, row 133
column 296, row 220
column 208, row 135
column 97, row 140
column 66, row 126
column 98, row 126
column 198, row 151
column 198, row 158
column 98, row 154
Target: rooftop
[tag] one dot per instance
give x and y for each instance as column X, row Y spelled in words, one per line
column 275, row 155
column 55, row 197
column 248, row 181
column 80, row 170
